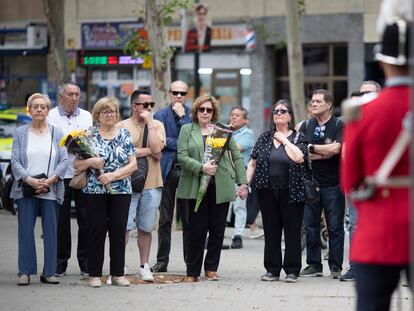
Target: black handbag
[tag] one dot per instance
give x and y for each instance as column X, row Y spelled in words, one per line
column 29, row 191
column 139, row 176
column 312, row 190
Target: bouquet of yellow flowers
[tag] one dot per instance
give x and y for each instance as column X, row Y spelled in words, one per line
column 215, row 146
column 79, row 143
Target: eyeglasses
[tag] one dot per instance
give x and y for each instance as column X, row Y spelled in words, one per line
column 204, row 109
column 175, row 93
column 281, row 111
column 146, row 104
column 319, row 132
column 108, row 112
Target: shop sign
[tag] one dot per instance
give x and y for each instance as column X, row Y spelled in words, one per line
column 221, row 35
column 107, row 35
column 102, row 36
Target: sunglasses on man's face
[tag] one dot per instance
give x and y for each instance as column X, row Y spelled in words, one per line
column 204, row 109
column 175, row 93
column 146, row 104
column 281, row 111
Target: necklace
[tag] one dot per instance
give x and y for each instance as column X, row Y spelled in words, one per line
column 37, row 130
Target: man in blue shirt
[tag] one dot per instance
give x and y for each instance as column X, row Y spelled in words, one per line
column 245, row 140
column 173, row 117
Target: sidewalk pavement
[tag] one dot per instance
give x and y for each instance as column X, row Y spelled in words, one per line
column 239, row 287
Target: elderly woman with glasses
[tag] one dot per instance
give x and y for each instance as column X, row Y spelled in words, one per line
column 38, row 162
column 275, row 171
column 212, row 213
column 107, row 196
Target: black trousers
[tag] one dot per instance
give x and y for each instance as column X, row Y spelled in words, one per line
column 107, row 213
column 166, row 217
column 375, row 285
column 280, row 215
column 211, row 218
column 64, row 238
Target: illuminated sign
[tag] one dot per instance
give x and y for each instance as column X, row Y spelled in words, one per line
column 89, row 60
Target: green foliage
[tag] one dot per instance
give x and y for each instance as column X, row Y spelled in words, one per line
column 301, row 7
column 168, row 10
column 139, row 46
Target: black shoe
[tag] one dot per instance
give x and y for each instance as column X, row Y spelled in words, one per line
column 225, row 246
column 48, row 279
column 291, row 278
column 311, row 271
column 269, row 277
column 237, row 242
column 159, row 267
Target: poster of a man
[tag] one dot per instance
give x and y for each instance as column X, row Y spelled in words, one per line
column 198, row 38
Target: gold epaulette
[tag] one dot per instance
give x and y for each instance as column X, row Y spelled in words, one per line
column 351, row 107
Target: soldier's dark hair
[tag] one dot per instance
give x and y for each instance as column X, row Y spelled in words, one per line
column 141, row 91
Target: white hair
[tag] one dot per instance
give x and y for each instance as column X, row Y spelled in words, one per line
column 393, row 10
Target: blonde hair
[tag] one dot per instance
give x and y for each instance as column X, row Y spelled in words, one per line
column 104, row 103
column 201, row 100
column 39, row 96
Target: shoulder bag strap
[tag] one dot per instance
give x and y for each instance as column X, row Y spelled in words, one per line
column 144, row 139
column 50, row 153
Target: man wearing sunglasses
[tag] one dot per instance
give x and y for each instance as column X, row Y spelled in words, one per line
column 173, row 117
column 324, row 135
column 144, row 205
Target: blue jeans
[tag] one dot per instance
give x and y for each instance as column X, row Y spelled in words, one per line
column 352, row 212
column 143, row 209
column 26, row 216
column 333, row 203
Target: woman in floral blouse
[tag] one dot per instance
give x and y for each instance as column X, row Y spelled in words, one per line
column 108, row 196
column 276, row 163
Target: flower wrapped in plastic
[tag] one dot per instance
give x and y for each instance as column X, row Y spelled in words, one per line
column 215, row 146
column 79, row 143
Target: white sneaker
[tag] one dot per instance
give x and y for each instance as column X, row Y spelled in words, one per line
column 145, row 273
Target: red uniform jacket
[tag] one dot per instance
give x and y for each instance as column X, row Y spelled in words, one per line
column 382, row 234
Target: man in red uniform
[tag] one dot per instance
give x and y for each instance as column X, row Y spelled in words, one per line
column 380, row 246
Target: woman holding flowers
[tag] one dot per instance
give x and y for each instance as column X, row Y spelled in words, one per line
column 277, row 165
column 108, row 193
column 38, row 162
column 211, row 214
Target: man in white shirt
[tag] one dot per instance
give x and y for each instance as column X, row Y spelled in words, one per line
column 68, row 117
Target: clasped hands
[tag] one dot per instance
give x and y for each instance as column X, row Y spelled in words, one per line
column 98, row 164
column 41, row 185
column 210, row 168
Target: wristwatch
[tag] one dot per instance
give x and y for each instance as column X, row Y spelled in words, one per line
column 311, row 148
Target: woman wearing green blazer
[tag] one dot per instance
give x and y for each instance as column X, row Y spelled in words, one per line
column 211, row 215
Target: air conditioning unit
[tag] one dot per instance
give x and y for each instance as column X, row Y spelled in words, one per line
column 36, row 36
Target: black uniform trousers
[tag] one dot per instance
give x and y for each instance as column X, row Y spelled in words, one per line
column 166, row 216
column 107, row 213
column 64, row 238
column 375, row 285
column 211, row 218
column 278, row 215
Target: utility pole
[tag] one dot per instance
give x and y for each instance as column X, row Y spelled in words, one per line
column 196, row 67
column 296, row 83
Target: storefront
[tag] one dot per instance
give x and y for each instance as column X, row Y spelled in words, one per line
column 224, row 71
column 105, row 70
column 23, row 64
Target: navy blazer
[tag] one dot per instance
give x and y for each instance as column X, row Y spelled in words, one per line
column 172, row 128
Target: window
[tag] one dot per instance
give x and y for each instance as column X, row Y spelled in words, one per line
column 324, row 66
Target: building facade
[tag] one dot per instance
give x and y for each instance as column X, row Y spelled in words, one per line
column 337, row 36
